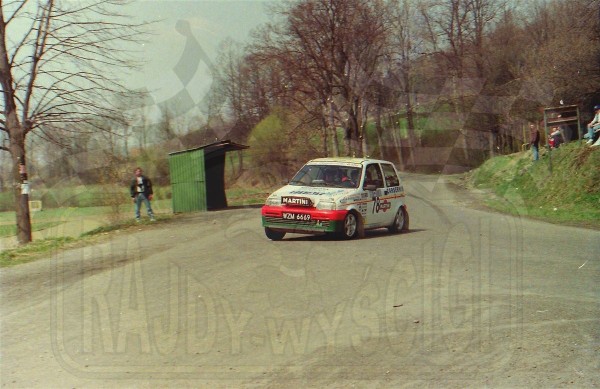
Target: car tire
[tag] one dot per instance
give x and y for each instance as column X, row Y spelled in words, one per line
column 273, row 234
column 350, row 226
column 400, row 223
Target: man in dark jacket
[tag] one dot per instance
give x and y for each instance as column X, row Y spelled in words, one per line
column 141, row 191
column 534, row 141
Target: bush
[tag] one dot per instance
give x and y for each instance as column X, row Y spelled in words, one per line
column 268, row 141
column 279, row 145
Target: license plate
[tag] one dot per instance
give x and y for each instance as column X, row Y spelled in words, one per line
column 296, row 216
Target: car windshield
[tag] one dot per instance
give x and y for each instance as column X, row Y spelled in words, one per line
column 333, row 176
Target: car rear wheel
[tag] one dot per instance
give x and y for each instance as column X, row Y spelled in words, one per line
column 350, row 226
column 400, row 221
column 273, row 234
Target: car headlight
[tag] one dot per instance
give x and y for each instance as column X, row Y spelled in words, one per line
column 326, row 205
column 273, row 200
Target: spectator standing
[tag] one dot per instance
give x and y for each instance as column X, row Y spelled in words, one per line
column 534, row 141
column 141, row 192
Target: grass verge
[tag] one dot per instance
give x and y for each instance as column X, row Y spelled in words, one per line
column 11, row 230
column 32, row 251
column 41, row 248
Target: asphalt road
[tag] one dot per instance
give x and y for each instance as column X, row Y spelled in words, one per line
column 467, row 298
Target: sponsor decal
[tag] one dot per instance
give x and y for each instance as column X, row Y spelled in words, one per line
column 293, row 200
column 308, row 192
column 381, row 205
column 396, row 189
column 363, row 209
column 350, row 199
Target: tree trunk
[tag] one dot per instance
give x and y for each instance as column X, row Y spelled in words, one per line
column 353, row 132
column 364, row 147
column 348, row 139
column 412, row 146
column 336, row 145
column 334, row 137
column 397, row 145
column 459, row 110
column 21, row 192
column 379, row 131
column 410, row 122
column 410, row 119
column 325, row 140
column 362, row 136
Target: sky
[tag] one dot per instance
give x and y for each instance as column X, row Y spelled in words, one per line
column 184, row 45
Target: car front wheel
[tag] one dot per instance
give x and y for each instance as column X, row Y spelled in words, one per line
column 350, row 226
column 273, row 234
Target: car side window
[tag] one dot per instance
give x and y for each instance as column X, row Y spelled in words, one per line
column 373, row 176
column 391, row 178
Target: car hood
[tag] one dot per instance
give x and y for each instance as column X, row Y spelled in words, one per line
column 314, row 193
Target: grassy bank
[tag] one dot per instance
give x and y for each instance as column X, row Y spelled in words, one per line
column 562, row 187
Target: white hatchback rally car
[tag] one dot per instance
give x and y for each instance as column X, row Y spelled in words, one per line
column 345, row 196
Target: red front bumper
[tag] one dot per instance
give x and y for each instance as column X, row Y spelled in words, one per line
column 320, row 220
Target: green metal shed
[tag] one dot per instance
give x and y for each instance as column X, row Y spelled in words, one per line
column 198, row 177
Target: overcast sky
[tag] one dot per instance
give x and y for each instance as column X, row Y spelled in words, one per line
column 185, row 43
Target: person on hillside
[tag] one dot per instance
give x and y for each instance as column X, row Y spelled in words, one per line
column 534, row 141
column 557, row 137
column 141, row 192
column 594, row 127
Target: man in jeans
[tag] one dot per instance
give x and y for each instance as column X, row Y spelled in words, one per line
column 141, row 191
column 534, row 141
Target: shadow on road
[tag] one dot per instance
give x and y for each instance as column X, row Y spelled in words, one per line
column 371, row 234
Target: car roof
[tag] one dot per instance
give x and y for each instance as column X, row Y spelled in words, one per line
column 352, row 160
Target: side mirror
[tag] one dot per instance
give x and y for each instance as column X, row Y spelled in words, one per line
column 370, row 187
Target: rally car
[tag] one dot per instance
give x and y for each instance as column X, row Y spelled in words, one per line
column 342, row 196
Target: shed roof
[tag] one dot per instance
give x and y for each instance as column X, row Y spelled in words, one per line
column 224, row 145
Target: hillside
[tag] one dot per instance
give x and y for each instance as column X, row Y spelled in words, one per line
column 562, row 187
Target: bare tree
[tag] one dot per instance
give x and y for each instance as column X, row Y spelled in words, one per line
column 59, row 62
column 483, row 14
column 241, row 90
column 450, row 25
column 137, row 112
column 406, row 47
column 330, row 51
column 565, row 48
